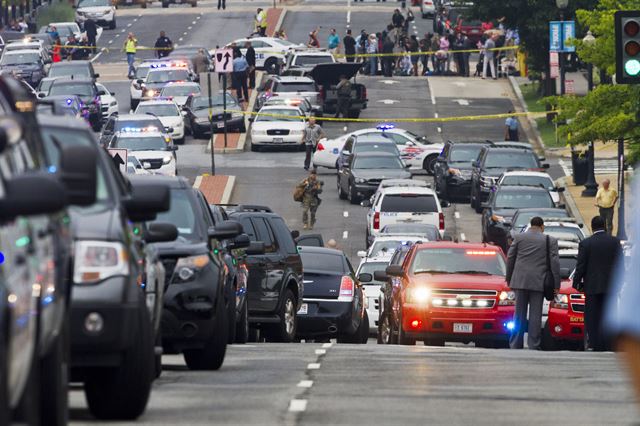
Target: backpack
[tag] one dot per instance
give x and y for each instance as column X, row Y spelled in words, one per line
column 298, row 193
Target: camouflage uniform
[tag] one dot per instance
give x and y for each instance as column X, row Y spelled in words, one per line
column 310, row 201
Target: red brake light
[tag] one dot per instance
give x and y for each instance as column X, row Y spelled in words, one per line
column 320, row 147
column 441, row 216
column 364, row 92
column 346, row 286
column 376, row 220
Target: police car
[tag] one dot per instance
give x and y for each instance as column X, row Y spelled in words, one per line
column 418, row 152
column 135, row 89
column 162, row 74
column 149, row 147
column 277, row 125
column 108, row 102
column 101, row 11
column 270, row 51
column 372, row 288
column 168, row 113
column 180, row 92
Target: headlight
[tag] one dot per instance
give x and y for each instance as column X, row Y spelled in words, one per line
column 96, row 260
column 150, row 93
column 419, row 295
column 560, row 301
column 114, row 103
column 188, row 267
column 360, row 180
column 507, row 298
column 497, row 218
column 167, row 159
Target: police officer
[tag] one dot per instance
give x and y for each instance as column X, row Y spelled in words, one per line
column 343, row 90
column 130, row 47
column 310, row 200
column 91, row 29
column 163, row 45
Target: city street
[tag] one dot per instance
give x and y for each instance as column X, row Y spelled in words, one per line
column 331, row 383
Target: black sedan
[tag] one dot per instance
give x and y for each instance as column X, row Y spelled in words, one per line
column 503, row 202
column 85, row 88
column 196, row 115
column 333, row 303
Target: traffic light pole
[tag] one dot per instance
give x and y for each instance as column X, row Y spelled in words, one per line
column 622, row 235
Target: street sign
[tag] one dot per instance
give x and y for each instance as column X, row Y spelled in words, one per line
column 559, row 33
column 554, row 63
column 119, row 157
column 569, row 87
column 224, row 60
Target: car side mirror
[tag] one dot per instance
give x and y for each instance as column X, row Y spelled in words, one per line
column 251, row 119
column 41, row 95
column 225, row 230
column 361, row 254
column 380, row 276
column 560, row 189
column 365, row 277
column 562, row 206
column 146, row 201
column 101, row 93
column 139, row 81
column 445, row 203
column 240, row 242
column 365, row 203
column 255, row 248
column 168, row 129
column 96, row 75
column 545, row 166
column 394, row 270
column 78, row 172
column 295, row 234
column 160, row 232
column 32, row 194
column 112, row 93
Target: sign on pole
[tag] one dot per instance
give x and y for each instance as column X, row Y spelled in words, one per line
column 119, row 157
column 554, row 64
column 224, row 60
column 568, row 32
column 559, row 33
column 569, row 87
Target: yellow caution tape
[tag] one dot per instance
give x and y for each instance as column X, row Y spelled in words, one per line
column 401, row 119
column 72, row 46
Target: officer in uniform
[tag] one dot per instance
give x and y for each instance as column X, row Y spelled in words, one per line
column 343, row 90
column 310, row 200
column 164, row 45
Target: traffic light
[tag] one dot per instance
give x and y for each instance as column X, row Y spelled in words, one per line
column 627, row 23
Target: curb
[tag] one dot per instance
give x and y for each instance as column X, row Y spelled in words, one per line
column 228, row 188
column 536, row 133
column 570, row 202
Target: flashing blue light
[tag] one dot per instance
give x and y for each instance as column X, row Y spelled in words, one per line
column 47, row 300
column 69, row 101
column 511, row 325
column 1, row 258
column 385, row 126
column 52, row 169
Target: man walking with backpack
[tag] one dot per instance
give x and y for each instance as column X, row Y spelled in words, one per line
column 343, row 90
column 307, row 192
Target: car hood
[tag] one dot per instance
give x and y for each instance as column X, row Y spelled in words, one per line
column 204, row 113
column 20, row 67
column 330, row 73
column 151, row 155
column 381, row 174
column 169, row 121
column 96, row 224
column 268, row 125
column 461, row 281
column 94, row 9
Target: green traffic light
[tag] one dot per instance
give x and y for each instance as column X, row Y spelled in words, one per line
column 632, row 67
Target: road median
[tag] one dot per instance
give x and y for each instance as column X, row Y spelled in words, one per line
column 217, row 189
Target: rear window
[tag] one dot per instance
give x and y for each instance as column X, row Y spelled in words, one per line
column 522, row 200
column 296, row 87
column 501, row 159
column 371, row 267
column 459, row 260
column 524, row 218
column 409, row 203
column 541, row 181
column 302, row 60
column 325, row 262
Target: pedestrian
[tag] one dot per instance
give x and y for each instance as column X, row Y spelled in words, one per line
column 387, row 58
column 281, row 35
column 606, row 199
column 310, row 138
column 239, row 76
column 250, row 56
column 597, row 256
column 413, row 48
column 425, row 46
column 200, row 62
column 313, row 39
column 458, row 45
column 23, row 25
column 445, row 44
column 223, row 4
column 332, row 244
column 467, row 46
column 81, row 49
column 489, row 55
column 333, row 42
column 361, row 45
column 343, row 90
column 372, row 49
column 91, row 29
column 397, row 19
column 261, row 22
column 511, row 128
column 527, row 269
column 435, row 47
column 130, row 47
column 349, row 46
column 163, row 45
column 56, row 55
column 312, row 187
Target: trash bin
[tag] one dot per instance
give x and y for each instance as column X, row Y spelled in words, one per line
column 580, row 167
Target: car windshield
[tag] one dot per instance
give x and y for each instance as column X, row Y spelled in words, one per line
column 291, row 115
column 181, row 215
column 150, row 124
column 20, row 58
column 163, row 76
column 77, row 89
column 201, row 102
column 430, row 231
column 541, row 181
column 486, row 261
column 520, row 159
column 181, row 90
column 145, row 143
column 384, row 248
column 568, row 262
column 409, row 203
column 522, row 199
column 325, row 262
column 142, row 71
column 22, row 46
column 523, row 218
column 464, row 154
column 92, row 3
column 159, row 110
column 296, row 87
column 370, row 268
column 304, row 60
column 377, row 163
column 69, row 70
column 564, row 233
column 376, row 147
column 45, row 85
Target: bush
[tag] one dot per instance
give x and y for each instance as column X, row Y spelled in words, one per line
column 55, row 12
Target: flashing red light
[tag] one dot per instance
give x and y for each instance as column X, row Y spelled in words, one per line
column 346, row 286
column 320, row 147
column 376, row 220
column 481, row 252
column 416, row 323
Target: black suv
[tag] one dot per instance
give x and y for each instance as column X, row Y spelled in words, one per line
column 195, row 316
column 453, row 169
column 494, row 160
column 73, row 69
column 85, row 88
column 275, row 286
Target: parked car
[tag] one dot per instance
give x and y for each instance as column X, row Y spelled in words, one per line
column 270, row 51
column 453, row 169
column 73, row 69
column 85, row 88
column 149, row 147
column 28, row 65
column 527, row 178
column 522, row 217
column 196, row 115
column 372, row 286
column 277, row 126
column 103, row 12
column 288, row 87
column 275, row 286
column 334, row 302
column 132, row 123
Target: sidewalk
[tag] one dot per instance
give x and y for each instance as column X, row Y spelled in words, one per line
column 216, row 189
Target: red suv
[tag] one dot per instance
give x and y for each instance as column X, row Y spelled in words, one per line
column 453, row 292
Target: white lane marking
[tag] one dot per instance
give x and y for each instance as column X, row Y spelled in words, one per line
column 184, row 33
column 321, row 351
column 180, row 39
column 297, row 405
column 128, row 25
column 327, row 345
column 565, row 168
column 313, row 366
column 433, row 96
column 117, row 35
column 193, row 23
column 439, row 130
column 345, row 214
column 98, row 55
column 123, row 30
column 457, row 215
column 460, row 83
column 388, row 101
column 110, row 41
column 305, row 383
column 389, row 81
column 435, row 114
column 345, row 235
column 348, row 17
column 463, row 237
column 462, row 102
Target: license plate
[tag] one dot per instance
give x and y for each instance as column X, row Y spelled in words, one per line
column 576, row 319
column 220, row 125
column 278, row 139
column 462, row 328
column 303, row 309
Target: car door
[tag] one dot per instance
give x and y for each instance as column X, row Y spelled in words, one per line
column 440, row 168
column 310, row 240
column 107, row 131
column 346, row 152
column 257, row 267
column 275, row 265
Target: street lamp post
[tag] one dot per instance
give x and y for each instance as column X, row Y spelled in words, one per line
column 562, row 5
column 622, row 235
column 590, row 186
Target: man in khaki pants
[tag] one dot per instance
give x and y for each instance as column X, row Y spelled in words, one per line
column 606, row 199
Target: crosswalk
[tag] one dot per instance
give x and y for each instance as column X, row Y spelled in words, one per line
column 602, row 167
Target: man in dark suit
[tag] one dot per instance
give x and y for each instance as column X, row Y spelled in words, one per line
column 92, row 31
column 250, row 56
column 597, row 256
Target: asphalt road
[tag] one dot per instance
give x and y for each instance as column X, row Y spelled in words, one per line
column 266, row 384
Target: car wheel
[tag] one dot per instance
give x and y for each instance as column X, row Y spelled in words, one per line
column 157, row 361
column 353, row 198
column 255, row 148
column 54, row 380
column 429, row 164
column 254, row 335
column 341, row 194
column 360, row 336
column 242, row 326
column 285, row 330
column 548, row 343
column 403, row 339
column 384, row 330
column 354, row 113
column 231, row 318
column 271, row 66
column 122, row 393
column 211, row 356
column 434, row 342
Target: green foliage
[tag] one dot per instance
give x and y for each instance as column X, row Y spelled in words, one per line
column 55, row 12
